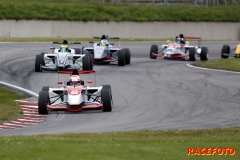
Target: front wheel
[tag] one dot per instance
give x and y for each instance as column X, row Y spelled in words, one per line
column 43, row 101
column 192, row 54
column 204, row 54
column 107, row 86
column 106, row 100
column 127, row 56
column 154, row 49
column 38, row 63
column 121, row 58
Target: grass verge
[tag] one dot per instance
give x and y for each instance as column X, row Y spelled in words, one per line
column 167, row 145
column 9, row 109
column 231, row 64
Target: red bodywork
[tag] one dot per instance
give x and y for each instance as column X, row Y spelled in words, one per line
column 75, row 108
column 174, row 57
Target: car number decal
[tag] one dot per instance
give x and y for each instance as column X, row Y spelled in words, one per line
column 74, row 92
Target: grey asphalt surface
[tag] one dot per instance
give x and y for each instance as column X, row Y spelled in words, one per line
column 147, row 94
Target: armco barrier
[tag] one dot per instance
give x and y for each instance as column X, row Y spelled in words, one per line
column 149, row 30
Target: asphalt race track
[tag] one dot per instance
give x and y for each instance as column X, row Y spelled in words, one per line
column 147, row 94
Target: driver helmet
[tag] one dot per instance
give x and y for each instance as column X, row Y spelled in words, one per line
column 64, row 47
column 74, row 79
column 104, row 42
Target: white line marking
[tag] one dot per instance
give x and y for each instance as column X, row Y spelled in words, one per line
column 189, row 65
column 20, row 88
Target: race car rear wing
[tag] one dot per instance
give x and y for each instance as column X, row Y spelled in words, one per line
column 68, row 43
column 107, row 37
column 191, row 38
column 79, row 71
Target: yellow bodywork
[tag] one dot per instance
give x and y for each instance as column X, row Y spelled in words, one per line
column 237, row 49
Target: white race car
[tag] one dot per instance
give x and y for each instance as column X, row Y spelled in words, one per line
column 177, row 51
column 107, row 53
column 75, row 98
column 63, row 59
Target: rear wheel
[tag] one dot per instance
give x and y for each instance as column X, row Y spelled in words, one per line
column 77, row 51
column 192, row 54
column 127, row 56
column 38, row 63
column 43, row 101
column 83, row 50
column 87, row 63
column 121, row 58
column 154, row 49
column 225, row 51
column 46, row 88
column 43, row 53
column 204, row 54
column 90, row 60
column 106, row 100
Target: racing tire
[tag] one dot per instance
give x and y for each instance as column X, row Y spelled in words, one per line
column 106, row 100
column 127, row 56
column 46, row 88
column 192, row 54
column 225, row 51
column 43, row 53
column 204, row 54
column 154, row 49
column 107, row 86
column 87, row 62
column 83, row 50
column 91, row 61
column 43, row 101
column 38, row 63
column 77, row 51
column 121, row 58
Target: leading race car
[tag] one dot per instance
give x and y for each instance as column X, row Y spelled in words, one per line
column 63, row 58
column 104, row 52
column 180, row 51
column 226, row 51
column 75, row 95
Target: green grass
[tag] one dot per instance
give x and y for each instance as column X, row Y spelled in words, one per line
column 73, row 10
column 231, row 64
column 152, row 145
column 9, row 109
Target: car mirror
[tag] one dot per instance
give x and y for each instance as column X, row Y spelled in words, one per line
column 89, row 81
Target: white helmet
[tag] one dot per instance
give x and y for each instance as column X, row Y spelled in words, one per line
column 75, row 79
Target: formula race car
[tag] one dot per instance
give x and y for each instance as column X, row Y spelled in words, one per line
column 103, row 52
column 180, row 51
column 75, row 96
column 226, row 51
column 64, row 58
